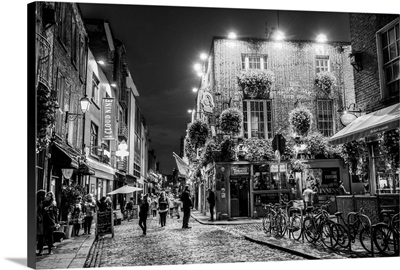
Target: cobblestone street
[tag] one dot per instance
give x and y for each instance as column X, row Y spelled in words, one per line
column 173, row 245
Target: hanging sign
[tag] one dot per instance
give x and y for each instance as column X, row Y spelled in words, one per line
column 67, row 173
column 208, row 102
column 108, row 119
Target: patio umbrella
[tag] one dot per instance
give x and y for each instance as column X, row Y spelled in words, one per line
column 123, row 190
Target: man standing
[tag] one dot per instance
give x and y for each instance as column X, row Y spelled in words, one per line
column 187, row 204
column 307, row 196
column 211, row 201
column 144, row 209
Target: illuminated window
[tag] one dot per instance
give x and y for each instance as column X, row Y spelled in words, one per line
column 321, row 63
column 325, row 118
column 388, row 54
column 94, row 138
column 257, row 119
column 254, row 61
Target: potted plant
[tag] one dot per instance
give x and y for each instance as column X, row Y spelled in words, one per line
column 231, row 121
column 256, row 83
column 325, row 80
column 300, row 119
column 198, row 133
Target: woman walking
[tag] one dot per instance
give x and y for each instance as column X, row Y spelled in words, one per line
column 50, row 217
column 90, row 209
column 163, row 205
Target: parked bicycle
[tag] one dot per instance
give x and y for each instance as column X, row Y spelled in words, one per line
column 385, row 234
column 274, row 222
column 294, row 219
column 312, row 222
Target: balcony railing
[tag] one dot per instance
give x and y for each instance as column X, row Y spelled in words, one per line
column 123, row 131
column 43, row 59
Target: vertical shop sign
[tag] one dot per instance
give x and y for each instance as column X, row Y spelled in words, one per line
column 108, row 119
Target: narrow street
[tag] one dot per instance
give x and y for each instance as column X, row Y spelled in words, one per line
column 173, row 245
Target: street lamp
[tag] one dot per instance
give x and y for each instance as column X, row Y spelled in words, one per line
column 122, row 147
column 321, row 38
column 279, row 35
column 85, row 104
column 195, row 89
column 203, row 56
column 232, row 35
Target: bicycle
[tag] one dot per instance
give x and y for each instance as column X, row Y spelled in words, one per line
column 345, row 234
column 385, row 234
column 294, row 221
column 315, row 216
column 274, row 221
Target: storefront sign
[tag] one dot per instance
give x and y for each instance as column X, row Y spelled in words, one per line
column 67, row 173
column 235, row 170
column 108, row 119
column 279, row 167
column 105, row 222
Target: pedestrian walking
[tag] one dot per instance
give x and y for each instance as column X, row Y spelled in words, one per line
column 342, row 189
column 50, row 217
column 129, row 209
column 171, row 205
column 187, row 205
column 211, row 202
column 143, row 210
column 77, row 215
column 89, row 210
column 163, row 205
column 307, row 196
column 153, row 206
column 40, row 194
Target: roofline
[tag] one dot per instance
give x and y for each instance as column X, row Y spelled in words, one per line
column 249, row 39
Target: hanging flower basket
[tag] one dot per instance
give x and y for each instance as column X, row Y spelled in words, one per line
column 46, row 108
column 300, row 120
column 298, row 165
column 325, row 80
column 208, row 155
column 231, row 121
column 256, row 83
column 258, row 149
column 228, row 150
column 198, row 133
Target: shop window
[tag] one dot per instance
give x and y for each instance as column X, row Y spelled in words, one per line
column 261, row 178
column 325, row 117
column 257, row 119
column 254, row 61
column 388, row 42
column 321, row 63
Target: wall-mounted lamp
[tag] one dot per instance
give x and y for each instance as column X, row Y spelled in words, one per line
column 122, row 147
column 356, row 60
column 85, row 104
column 348, row 114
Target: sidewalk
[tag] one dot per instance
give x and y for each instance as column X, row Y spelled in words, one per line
column 70, row 253
column 256, row 234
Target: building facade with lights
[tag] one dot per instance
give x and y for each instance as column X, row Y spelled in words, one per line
column 241, row 186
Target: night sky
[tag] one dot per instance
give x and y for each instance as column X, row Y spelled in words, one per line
column 163, row 43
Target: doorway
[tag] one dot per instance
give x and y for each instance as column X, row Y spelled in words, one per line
column 239, row 193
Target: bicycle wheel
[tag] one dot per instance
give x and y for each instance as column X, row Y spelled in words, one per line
column 267, row 223
column 343, row 238
column 280, row 225
column 385, row 240
column 310, row 229
column 295, row 227
column 396, row 223
column 366, row 240
column 329, row 233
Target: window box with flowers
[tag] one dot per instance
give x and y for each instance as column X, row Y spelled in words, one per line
column 300, row 119
column 256, row 83
column 325, row 80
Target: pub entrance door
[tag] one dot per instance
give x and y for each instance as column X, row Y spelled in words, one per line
column 239, row 189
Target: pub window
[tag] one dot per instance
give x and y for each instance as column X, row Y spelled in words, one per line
column 94, row 138
column 321, row 63
column 257, row 119
column 254, row 61
column 95, row 89
column 325, row 117
column 388, row 56
column 74, row 39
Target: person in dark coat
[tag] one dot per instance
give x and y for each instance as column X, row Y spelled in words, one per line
column 50, row 217
column 187, row 205
column 211, row 201
column 39, row 221
column 143, row 210
column 163, row 206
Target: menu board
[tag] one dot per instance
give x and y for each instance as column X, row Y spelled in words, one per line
column 105, row 222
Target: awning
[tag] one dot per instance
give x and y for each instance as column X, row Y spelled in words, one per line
column 61, row 158
column 382, row 120
column 85, row 169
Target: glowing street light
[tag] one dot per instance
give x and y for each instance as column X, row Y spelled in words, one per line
column 232, row 35
column 203, row 56
column 113, row 85
column 197, row 67
column 199, row 74
column 195, row 89
column 190, row 111
column 321, row 38
column 101, row 62
column 279, row 35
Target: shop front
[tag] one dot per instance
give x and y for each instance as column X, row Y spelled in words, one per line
column 102, row 181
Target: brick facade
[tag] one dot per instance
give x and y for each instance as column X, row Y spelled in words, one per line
column 363, row 29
